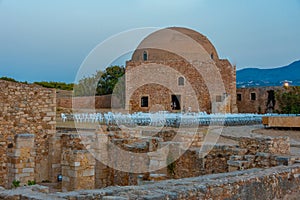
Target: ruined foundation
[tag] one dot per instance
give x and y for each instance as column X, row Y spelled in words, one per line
column 164, row 167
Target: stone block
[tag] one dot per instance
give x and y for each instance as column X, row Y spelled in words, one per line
column 114, row 198
column 66, row 179
column 56, row 165
column 13, row 170
column 71, row 173
column 263, row 155
column 75, row 164
column 90, row 172
column 47, row 119
column 51, row 114
column 40, row 188
column 28, row 170
column 235, row 158
column 283, row 160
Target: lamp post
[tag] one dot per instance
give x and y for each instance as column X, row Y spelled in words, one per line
column 286, row 84
column 59, row 178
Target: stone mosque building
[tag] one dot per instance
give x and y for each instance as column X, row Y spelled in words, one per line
column 178, row 69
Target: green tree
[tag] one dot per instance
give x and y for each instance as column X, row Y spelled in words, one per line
column 289, row 100
column 87, row 86
column 109, row 79
column 112, row 80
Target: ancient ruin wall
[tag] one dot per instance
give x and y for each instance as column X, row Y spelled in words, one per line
column 247, row 105
column 272, row 183
column 26, row 108
column 91, row 102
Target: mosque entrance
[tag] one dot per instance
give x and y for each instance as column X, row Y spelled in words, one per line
column 175, row 104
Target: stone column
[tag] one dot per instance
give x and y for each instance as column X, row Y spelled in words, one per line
column 102, row 171
column 159, row 158
column 78, row 171
column 54, row 157
column 21, row 160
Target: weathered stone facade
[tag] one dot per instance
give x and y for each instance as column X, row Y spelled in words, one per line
column 178, row 69
column 257, row 100
column 26, row 108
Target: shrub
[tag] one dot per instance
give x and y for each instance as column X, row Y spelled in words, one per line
column 31, row 182
column 16, row 183
column 288, row 100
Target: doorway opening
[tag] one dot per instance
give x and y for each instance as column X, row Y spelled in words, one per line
column 175, row 103
column 271, row 101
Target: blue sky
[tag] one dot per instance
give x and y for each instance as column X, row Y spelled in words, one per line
column 49, row 39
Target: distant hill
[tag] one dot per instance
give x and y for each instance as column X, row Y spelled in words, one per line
column 254, row 77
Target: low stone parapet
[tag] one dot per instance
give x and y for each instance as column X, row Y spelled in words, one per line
column 272, row 183
column 282, row 121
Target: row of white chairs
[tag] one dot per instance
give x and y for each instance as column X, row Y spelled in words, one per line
column 164, row 118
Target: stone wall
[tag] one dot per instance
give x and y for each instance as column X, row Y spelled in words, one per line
column 259, row 105
column 209, row 82
column 194, row 93
column 156, row 153
column 259, row 152
column 82, row 168
column 26, row 108
column 281, row 121
column 273, row 183
column 75, row 157
column 78, row 170
column 92, row 102
column 21, row 160
column 278, row 145
column 77, row 164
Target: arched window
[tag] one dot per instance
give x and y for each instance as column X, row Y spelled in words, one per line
column 181, row 81
column 145, row 56
column 212, row 55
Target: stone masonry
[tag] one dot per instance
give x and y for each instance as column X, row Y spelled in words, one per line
column 21, row 160
column 32, row 150
column 81, row 169
column 78, row 165
column 26, row 108
column 168, row 55
column 259, row 104
column 272, row 183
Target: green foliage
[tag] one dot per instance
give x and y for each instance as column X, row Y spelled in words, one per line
column 16, row 183
column 119, row 94
column 109, row 80
column 56, row 85
column 51, row 84
column 102, row 83
column 87, row 86
column 31, row 182
column 8, row 79
column 289, row 100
